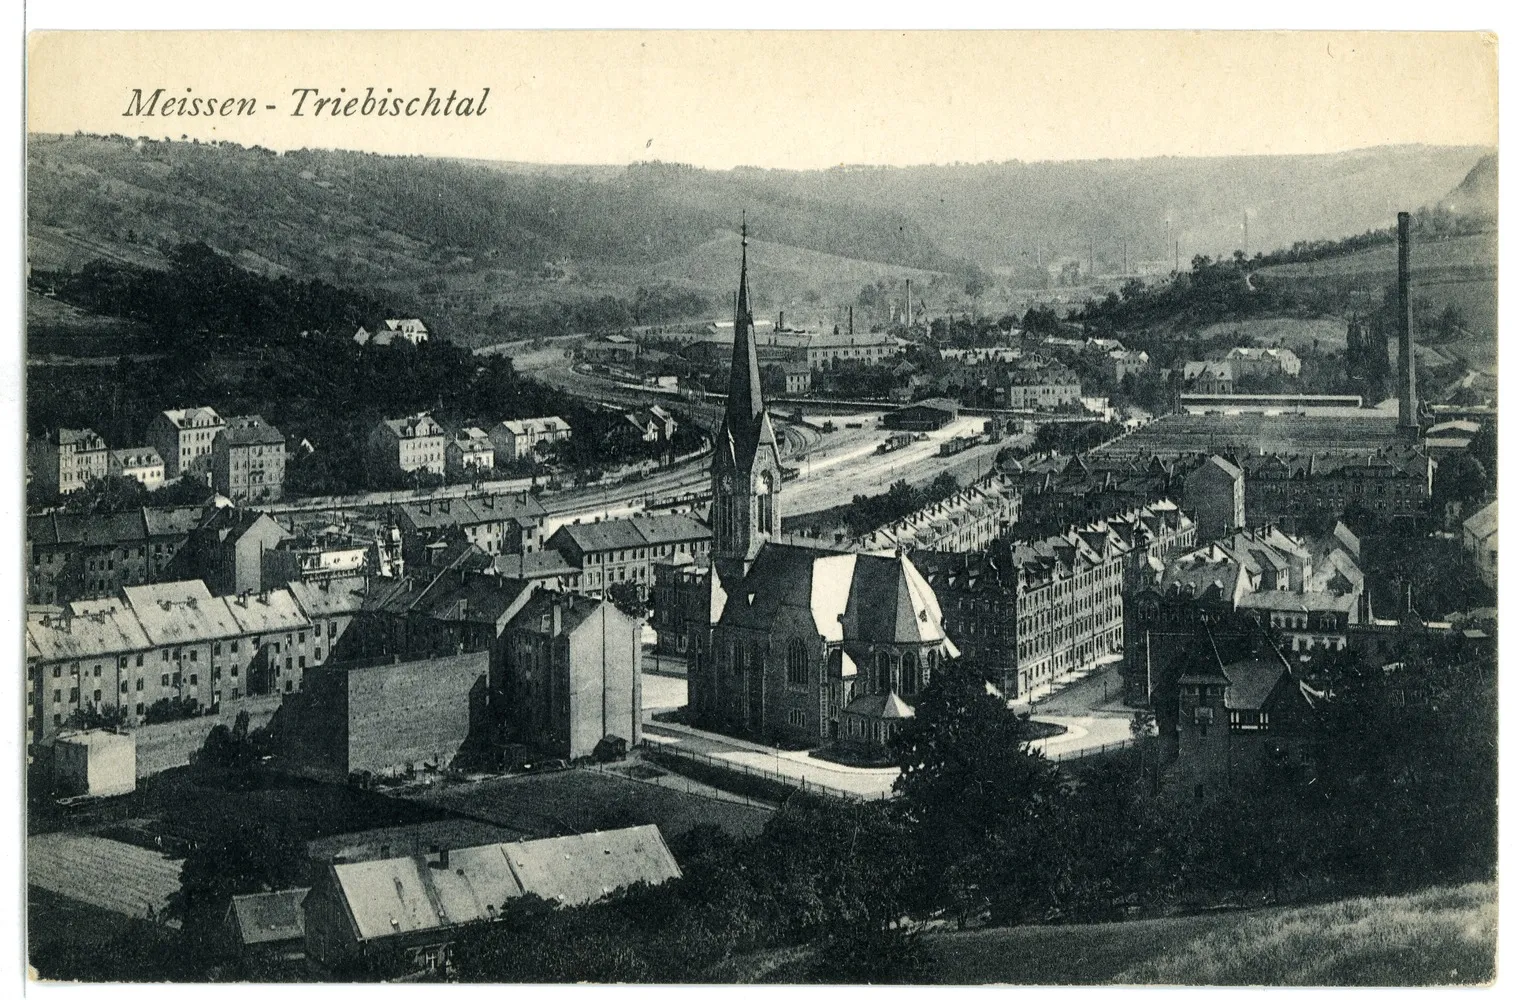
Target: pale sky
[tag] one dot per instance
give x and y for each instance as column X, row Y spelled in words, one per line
column 793, row 99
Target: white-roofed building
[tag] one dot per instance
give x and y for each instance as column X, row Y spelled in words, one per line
column 414, row 905
column 469, row 450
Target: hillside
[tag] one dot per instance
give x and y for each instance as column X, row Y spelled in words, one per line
column 1459, row 271
column 1436, row 937
column 465, row 237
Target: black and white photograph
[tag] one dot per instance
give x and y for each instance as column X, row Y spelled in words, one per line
column 760, row 507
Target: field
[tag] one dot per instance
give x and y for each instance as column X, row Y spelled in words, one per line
column 1192, row 434
column 1285, row 331
column 577, row 800
column 106, row 873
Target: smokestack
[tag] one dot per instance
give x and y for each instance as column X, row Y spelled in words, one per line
column 1408, row 421
column 909, row 312
column 850, row 329
column 1090, row 256
column 780, row 321
column 1127, row 255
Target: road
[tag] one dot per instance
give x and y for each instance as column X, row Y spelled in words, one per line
column 1091, row 708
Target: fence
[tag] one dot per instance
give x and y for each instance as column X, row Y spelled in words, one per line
column 800, row 784
column 1092, row 751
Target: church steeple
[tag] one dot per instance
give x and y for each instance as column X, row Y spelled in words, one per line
column 743, row 407
column 744, row 512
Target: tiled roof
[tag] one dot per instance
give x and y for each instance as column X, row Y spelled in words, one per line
column 251, row 430
column 72, row 637
column 342, row 596
column 425, row 515
column 182, row 612
column 269, row 917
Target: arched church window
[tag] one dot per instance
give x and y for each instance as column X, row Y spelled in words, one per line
column 883, row 674
column 909, row 674
column 798, row 664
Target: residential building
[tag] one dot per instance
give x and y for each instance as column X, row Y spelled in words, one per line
column 1215, row 494
column 518, row 440
column 413, row 906
column 1259, row 362
column 316, row 559
column 70, row 556
column 498, row 523
column 786, row 378
column 64, row 460
column 247, row 460
column 1045, row 389
column 654, row 423
column 165, row 642
column 407, row 445
column 267, row 924
column 1209, row 378
column 1233, row 720
column 144, row 465
column 1061, row 490
column 1479, row 536
column 383, row 716
column 330, row 606
column 1392, row 484
column 227, row 551
column 968, row 520
column 184, row 439
column 570, row 675
column 1121, row 363
column 606, row 553
column 394, row 331
column 469, row 451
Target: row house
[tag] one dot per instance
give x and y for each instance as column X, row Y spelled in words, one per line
column 1061, row 490
column 66, row 460
column 405, row 445
column 71, row 556
column 1396, row 484
column 968, row 520
column 229, row 549
column 497, row 523
column 247, row 460
column 144, row 465
column 606, row 553
column 172, row 642
column 184, row 438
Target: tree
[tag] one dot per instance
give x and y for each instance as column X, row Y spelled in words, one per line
column 970, row 785
column 626, row 596
column 235, row 856
column 107, row 495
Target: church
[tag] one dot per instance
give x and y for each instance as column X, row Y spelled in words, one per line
column 805, row 644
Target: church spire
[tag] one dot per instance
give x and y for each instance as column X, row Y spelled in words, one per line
column 743, row 406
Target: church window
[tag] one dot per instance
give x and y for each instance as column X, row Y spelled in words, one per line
column 798, row 664
column 765, row 503
column 909, row 675
column 883, row 678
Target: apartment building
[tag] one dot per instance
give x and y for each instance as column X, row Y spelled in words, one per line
column 64, row 460
column 144, row 465
column 515, row 440
column 407, row 444
column 468, row 451
column 247, row 460
column 184, row 439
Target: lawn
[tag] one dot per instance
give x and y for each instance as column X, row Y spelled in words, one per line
column 1440, row 936
column 581, row 799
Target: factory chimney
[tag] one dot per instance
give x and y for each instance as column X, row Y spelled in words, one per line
column 1408, row 421
column 849, row 328
column 909, row 311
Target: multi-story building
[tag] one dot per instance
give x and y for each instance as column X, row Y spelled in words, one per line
column 515, row 440
column 169, row 642
column 70, row 556
column 626, row 551
column 1215, row 494
column 1479, row 536
column 65, row 460
column 247, row 460
column 570, row 675
column 1059, row 490
column 184, row 438
column 227, row 551
column 1393, row 484
column 1209, row 378
column 653, row 423
column 393, row 331
column 498, row 523
column 469, row 451
column 1045, row 388
column 968, row 520
column 1249, row 362
column 822, row 351
column 406, row 445
column 144, row 465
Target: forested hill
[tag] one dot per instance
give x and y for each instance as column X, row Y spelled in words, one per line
column 357, row 218
column 354, row 217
